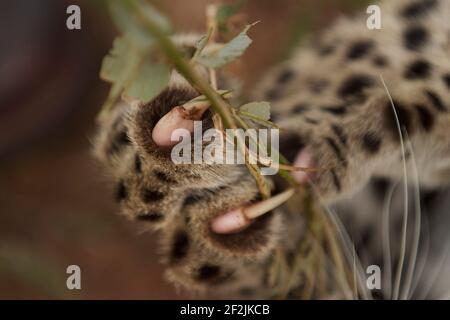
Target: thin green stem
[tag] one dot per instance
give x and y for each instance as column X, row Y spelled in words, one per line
column 183, row 66
column 218, row 104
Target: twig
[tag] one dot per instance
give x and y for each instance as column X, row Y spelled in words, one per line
column 218, row 104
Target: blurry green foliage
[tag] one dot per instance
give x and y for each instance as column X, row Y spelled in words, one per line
column 33, row 270
column 226, row 11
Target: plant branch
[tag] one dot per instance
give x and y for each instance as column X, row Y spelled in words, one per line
column 218, row 104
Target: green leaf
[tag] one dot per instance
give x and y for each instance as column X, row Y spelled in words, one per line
column 149, row 81
column 229, row 52
column 126, row 68
column 118, row 68
column 259, row 110
column 127, row 22
column 116, row 61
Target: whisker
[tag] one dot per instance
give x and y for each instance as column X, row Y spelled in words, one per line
column 398, row 276
column 424, row 256
column 417, row 224
column 386, row 243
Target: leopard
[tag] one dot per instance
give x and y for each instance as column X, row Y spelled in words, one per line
column 367, row 103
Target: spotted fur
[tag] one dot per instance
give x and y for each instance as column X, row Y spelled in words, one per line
column 330, row 96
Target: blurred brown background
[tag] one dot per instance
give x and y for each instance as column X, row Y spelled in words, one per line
column 55, row 209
